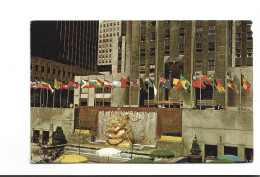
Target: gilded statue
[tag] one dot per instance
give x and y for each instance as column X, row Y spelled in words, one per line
column 117, row 130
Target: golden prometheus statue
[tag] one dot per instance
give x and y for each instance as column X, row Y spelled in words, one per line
column 118, row 129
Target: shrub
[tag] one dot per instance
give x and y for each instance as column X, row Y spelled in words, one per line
column 178, row 134
column 162, row 153
column 140, row 160
column 195, row 147
column 59, row 136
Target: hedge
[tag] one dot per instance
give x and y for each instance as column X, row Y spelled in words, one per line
column 162, row 153
column 178, row 134
column 139, row 160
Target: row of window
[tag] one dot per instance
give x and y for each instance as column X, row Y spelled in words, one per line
column 104, row 60
column 249, row 53
column 109, row 35
column 249, row 36
column 105, row 56
column 103, row 51
column 109, row 30
column 105, row 40
column 59, row 72
column 109, row 24
column 211, row 65
column 105, row 45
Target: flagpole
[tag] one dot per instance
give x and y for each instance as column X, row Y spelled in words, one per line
column 148, row 92
column 180, row 89
column 47, row 94
column 213, row 93
column 200, row 91
column 68, row 95
column 226, row 91
column 240, row 91
column 158, row 91
column 60, row 95
column 41, row 95
column 130, row 93
column 34, row 95
column 95, row 98
column 121, row 91
column 104, row 91
column 111, row 94
column 54, row 95
column 191, row 95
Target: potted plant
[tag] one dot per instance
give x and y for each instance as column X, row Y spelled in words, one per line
column 195, row 150
column 59, row 137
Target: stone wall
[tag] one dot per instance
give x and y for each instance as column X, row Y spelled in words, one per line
column 218, row 127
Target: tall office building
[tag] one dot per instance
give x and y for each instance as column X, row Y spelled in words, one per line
column 111, row 45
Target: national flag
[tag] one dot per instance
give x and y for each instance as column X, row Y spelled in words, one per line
column 73, row 84
column 125, row 82
column 84, row 84
column 32, row 85
column 177, row 84
column 107, row 84
column 218, row 84
column 44, row 85
column 52, row 90
column 142, row 85
column 93, row 83
column 196, row 82
column 162, row 82
column 116, row 84
column 245, row 84
column 206, row 80
column 100, row 84
column 38, row 84
column 168, row 84
column 64, row 86
column 185, row 84
column 150, row 83
column 57, row 84
column 154, row 90
column 134, row 82
column 231, row 83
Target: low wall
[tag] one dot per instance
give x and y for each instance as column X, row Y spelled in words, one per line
column 168, row 119
column 218, row 127
column 42, row 118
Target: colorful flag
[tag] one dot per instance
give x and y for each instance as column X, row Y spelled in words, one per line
column 73, row 84
column 100, row 84
column 231, row 83
column 116, row 83
column 177, row 84
column 246, row 85
column 64, row 86
column 92, row 83
column 57, row 84
column 107, row 84
column 45, row 85
column 154, row 90
column 52, row 90
column 38, row 84
column 142, row 85
column 218, row 84
column 32, row 85
column 162, row 82
column 84, row 84
column 168, row 84
column 185, row 84
column 125, row 83
column 134, row 82
column 150, row 83
column 206, row 80
column 196, row 82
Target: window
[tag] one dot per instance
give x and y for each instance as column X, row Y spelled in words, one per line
column 152, row 51
column 153, row 23
column 198, row 66
column 167, row 50
column 199, row 31
column 110, row 39
column 48, row 70
column 211, row 65
column 58, row 72
column 104, row 30
column 143, row 23
column 99, row 51
column 68, row 74
column 142, row 52
column 167, row 34
column 181, row 49
column 117, row 23
column 249, row 36
column 111, row 35
column 238, row 37
column 104, row 35
column 211, row 46
column 199, row 47
column 42, row 68
column 36, row 67
column 64, row 73
column 182, row 32
column 212, row 30
column 249, row 52
column 238, row 53
column 153, row 36
column 117, row 33
column 167, row 21
column 143, row 37
column 73, row 75
column 110, row 50
column 53, row 71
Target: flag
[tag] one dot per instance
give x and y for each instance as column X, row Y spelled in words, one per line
column 206, row 80
column 32, row 85
column 134, row 82
column 125, row 82
column 64, row 86
column 57, row 84
column 150, row 83
column 245, row 84
column 44, row 85
column 231, row 84
column 185, row 84
column 168, row 84
column 107, row 84
column 142, row 85
column 92, row 83
column 38, row 84
column 73, row 84
column 100, row 84
column 162, row 82
column 84, row 84
column 218, row 84
column 196, row 82
column 154, row 90
column 116, row 84
column 177, row 84
column 52, row 90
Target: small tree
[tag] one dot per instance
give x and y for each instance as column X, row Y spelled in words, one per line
column 195, row 147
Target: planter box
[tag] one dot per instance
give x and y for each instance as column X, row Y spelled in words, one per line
column 171, row 139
